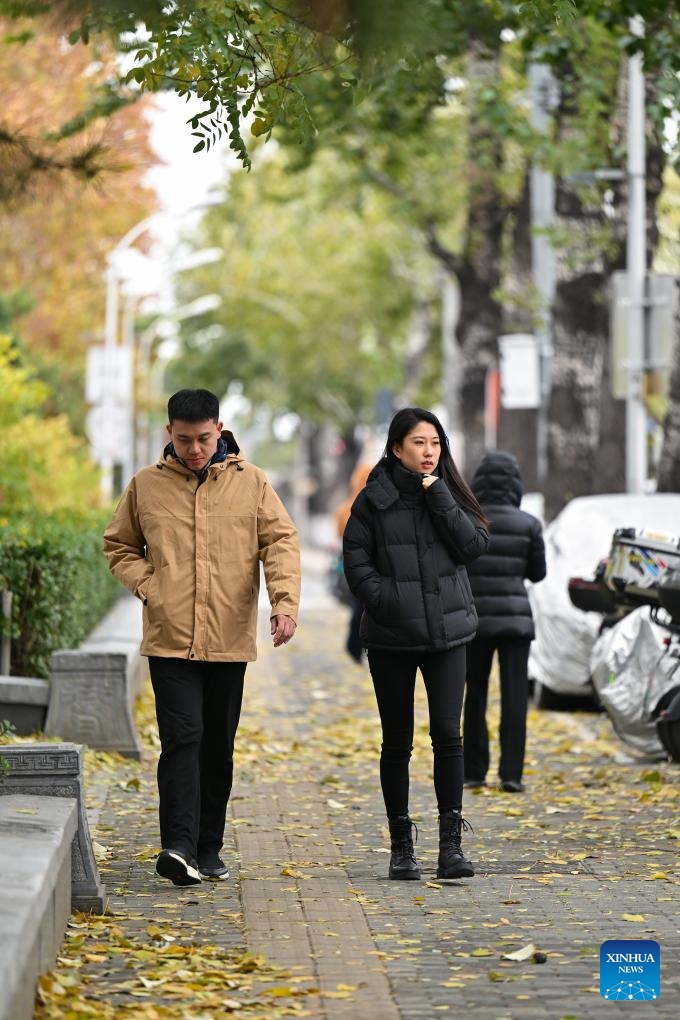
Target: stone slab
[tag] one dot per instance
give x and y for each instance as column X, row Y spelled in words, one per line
column 36, row 835
column 91, row 700
column 56, row 770
column 121, row 631
column 28, row 690
column 23, row 702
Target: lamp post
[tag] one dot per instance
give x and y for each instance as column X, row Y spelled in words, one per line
column 110, row 368
column 636, row 265
column 543, row 91
column 109, row 384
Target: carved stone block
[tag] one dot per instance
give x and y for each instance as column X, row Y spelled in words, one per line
column 56, row 770
column 91, row 700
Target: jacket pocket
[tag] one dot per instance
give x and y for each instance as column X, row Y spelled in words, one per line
column 151, row 588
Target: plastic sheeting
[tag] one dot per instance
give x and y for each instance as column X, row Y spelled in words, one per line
column 631, row 670
column 575, row 541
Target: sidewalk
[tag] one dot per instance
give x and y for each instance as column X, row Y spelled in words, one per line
column 309, row 925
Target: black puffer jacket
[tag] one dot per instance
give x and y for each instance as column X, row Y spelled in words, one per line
column 515, row 552
column 404, row 551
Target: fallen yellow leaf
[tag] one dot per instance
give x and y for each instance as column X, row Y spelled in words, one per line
column 525, row 953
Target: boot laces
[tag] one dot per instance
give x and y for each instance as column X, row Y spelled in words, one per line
column 404, row 843
column 406, row 839
column 457, row 825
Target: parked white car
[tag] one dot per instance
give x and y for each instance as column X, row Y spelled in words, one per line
column 575, row 541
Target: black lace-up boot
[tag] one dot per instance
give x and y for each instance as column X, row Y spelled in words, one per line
column 403, row 864
column 452, row 863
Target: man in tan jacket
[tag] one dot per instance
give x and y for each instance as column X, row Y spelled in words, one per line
column 187, row 538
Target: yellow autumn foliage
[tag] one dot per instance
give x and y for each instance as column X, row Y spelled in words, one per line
column 44, row 465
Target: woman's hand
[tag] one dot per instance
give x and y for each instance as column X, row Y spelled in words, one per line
column 429, row 480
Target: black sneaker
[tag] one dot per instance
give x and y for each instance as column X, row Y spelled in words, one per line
column 178, row 867
column 512, row 786
column 211, row 865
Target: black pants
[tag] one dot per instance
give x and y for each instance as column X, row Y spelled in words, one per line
column 513, row 657
column 198, row 705
column 394, row 679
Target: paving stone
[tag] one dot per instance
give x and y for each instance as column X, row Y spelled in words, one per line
column 303, row 867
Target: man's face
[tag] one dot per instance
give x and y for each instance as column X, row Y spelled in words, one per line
column 195, row 441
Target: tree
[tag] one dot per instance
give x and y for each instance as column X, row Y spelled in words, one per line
column 247, row 60
column 311, row 72
column 58, row 228
column 318, row 284
column 319, row 287
column 491, row 264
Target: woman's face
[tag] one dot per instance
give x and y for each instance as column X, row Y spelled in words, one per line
column 420, row 449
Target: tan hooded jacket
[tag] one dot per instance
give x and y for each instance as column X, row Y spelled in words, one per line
column 191, row 552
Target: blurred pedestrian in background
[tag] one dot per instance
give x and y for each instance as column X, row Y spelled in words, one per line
column 187, row 538
column 506, row 626
column 410, row 533
column 358, row 480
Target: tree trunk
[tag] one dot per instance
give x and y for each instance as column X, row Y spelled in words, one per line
column 587, row 425
column 480, row 266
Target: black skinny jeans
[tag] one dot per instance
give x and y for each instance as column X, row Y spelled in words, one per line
column 394, row 679
column 198, row 706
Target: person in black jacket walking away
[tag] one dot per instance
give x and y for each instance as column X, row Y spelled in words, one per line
column 410, row 533
column 506, row 626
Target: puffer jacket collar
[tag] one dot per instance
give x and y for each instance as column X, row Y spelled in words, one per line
column 497, row 480
column 385, row 487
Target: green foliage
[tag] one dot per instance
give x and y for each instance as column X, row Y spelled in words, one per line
column 11, row 307
column 318, row 283
column 250, row 63
column 44, row 464
column 7, row 731
column 61, row 586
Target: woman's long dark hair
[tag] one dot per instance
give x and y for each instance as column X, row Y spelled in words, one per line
column 401, row 425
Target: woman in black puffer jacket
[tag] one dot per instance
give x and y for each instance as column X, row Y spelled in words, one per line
column 410, row 533
column 506, row 626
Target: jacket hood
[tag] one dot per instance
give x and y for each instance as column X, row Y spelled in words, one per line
column 226, row 446
column 498, row 479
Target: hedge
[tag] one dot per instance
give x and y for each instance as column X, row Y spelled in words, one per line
column 60, row 583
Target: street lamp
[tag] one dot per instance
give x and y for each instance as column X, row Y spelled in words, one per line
column 636, row 265
column 110, row 370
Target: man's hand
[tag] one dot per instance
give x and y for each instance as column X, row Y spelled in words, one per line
column 283, row 628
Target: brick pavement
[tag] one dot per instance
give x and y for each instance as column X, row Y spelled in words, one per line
column 595, row 838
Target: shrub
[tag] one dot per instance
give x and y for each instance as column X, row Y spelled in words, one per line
column 6, row 733
column 60, row 583
column 45, row 465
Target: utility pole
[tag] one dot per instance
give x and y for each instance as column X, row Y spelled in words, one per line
column 636, row 259
column 542, row 87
